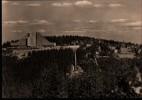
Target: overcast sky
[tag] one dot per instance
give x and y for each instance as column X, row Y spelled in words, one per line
column 107, row 19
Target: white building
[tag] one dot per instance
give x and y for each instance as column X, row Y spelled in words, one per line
column 33, row 40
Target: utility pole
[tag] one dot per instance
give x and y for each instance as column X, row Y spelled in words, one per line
column 75, row 56
column 75, row 62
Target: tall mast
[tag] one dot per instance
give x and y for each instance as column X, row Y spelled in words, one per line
column 75, row 62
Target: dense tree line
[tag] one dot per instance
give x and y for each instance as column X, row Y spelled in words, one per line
column 109, row 79
column 39, row 67
column 67, row 39
column 6, row 44
column 61, row 40
column 43, row 75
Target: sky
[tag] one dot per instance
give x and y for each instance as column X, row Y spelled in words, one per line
column 107, row 19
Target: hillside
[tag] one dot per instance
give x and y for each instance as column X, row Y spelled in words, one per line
column 48, row 73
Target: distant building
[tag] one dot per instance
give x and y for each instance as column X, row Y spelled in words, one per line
column 140, row 51
column 124, row 50
column 88, row 45
column 33, row 40
column 112, row 47
column 115, row 50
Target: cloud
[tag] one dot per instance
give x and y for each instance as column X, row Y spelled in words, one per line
column 15, row 22
column 17, row 31
column 91, row 21
column 77, row 21
column 83, row 3
column 4, row 2
column 137, row 28
column 34, row 5
column 40, row 22
column 119, row 20
column 9, row 22
column 135, row 24
column 62, row 4
column 42, row 31
column 22, row 22
column 73, row 31
column 77, row 3
column 15, row 4
column 115, row 5
column 98, row 5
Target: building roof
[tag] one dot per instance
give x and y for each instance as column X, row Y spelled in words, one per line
column 33, row 39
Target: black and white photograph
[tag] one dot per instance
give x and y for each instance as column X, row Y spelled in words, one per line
column 71, row 48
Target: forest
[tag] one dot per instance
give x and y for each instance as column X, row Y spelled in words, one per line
column 43, row 75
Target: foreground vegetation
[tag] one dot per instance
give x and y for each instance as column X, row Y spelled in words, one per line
column 43, row 75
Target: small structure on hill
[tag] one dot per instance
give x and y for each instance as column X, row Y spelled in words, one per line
column 125, row 50
column 115, row 51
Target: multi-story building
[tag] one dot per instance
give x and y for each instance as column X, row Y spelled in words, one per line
column 33, row 40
